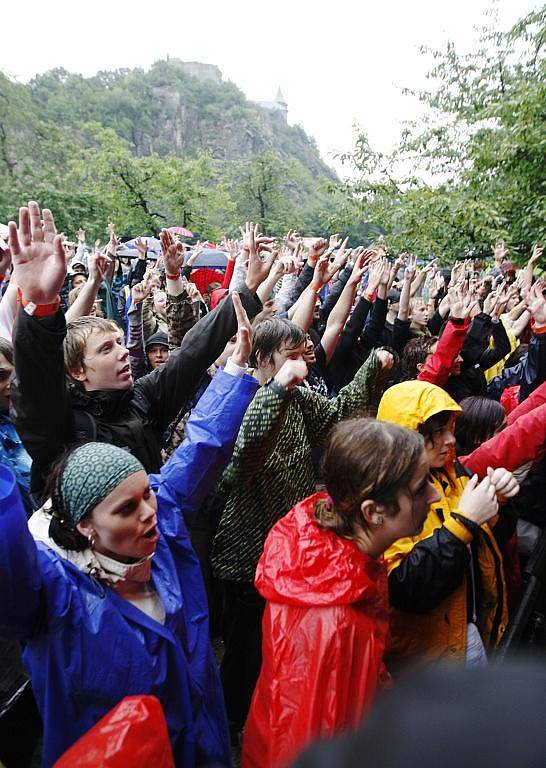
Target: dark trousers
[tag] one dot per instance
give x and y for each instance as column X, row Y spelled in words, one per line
column 20, row 729
column 243, row 609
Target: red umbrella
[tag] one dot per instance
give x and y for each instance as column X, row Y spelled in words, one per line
column 181, row 231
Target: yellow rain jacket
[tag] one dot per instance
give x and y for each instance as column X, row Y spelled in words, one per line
column 434, row 591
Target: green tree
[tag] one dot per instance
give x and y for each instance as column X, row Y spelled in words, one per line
column 474, row 171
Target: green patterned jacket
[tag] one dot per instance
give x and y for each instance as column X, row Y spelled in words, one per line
column 271, row 468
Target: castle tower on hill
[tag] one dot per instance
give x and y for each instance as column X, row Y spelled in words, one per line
column 198, row 70
column 279, row 105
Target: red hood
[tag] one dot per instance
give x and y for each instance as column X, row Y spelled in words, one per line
column 303, row 564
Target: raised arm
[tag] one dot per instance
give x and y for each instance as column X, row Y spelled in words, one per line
column 166, row 390
column 135, row 331
column 360, row 396
column 339, row 314
column 195, row 467
column 41, row 406
column 437, row 370
column 180, row 312
column 98, row 265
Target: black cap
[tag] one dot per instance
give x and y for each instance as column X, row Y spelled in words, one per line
column 157, row 338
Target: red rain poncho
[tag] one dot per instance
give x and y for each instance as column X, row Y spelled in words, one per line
column 133, row 733
column 324, row 633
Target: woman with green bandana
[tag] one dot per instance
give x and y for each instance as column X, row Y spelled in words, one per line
column 107, row 592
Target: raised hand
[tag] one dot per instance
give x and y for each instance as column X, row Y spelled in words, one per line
column 142, row 290
column 334, row 241
column 410, row 273
column 536, row 303
column 360, row 267
column 316, row 249
column 98, row 265
column 535, row 256
column 141, row 246
column 257, row 270
column 499, row 252
column 461, row 303
column 243, row 345
column 69, row 250
column 37, row 253
column 437, row 285
column 197, row 249
column 232, row 248
column 456, row 271
column 113, row 241
column 341, row 256
column 503, row 297
column 292, row 240
column 320, row 275
column 81, row 235
column 173, row 252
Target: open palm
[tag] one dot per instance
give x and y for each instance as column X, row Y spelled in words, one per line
column 37, row 254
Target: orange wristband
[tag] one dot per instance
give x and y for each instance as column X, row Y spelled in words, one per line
column 173, row 277
column 39, row 310
column 540, row 331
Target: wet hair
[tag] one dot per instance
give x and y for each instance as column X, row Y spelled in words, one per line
column 6, row 349
column 61, row 531
column 268, row 337
column 438, row 421
column 415, row 352
column 77, row 333
column 365, row 459
column 480, row 418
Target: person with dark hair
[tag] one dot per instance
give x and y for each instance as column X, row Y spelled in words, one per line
column 109, row 598
column 271, row 470
column 480, row 419
column 446, row 585
column 326, row 619
column 417, row 353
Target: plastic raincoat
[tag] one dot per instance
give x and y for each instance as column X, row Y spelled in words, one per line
column 433, row 576
column 87, row 647
column 324, row 633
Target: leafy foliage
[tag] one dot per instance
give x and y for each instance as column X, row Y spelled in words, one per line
column 152, row 149
column 474, row 171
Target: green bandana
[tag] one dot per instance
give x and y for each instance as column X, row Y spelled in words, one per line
column 90, row 474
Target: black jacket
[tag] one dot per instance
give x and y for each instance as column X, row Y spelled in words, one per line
column 50, row 413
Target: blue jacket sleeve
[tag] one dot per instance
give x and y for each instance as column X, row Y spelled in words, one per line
column 195, row 467
column 21, row 601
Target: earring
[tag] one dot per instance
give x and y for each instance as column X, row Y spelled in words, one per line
column 377, row 519
column 91, row 541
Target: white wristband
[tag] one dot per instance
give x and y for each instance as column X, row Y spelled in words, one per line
column 235, row 370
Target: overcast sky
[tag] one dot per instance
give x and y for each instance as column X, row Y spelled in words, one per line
column 338, row 63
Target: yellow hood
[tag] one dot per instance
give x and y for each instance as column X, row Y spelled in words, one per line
column 411, row 403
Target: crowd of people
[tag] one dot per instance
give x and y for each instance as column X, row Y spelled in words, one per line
column 262, row 498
